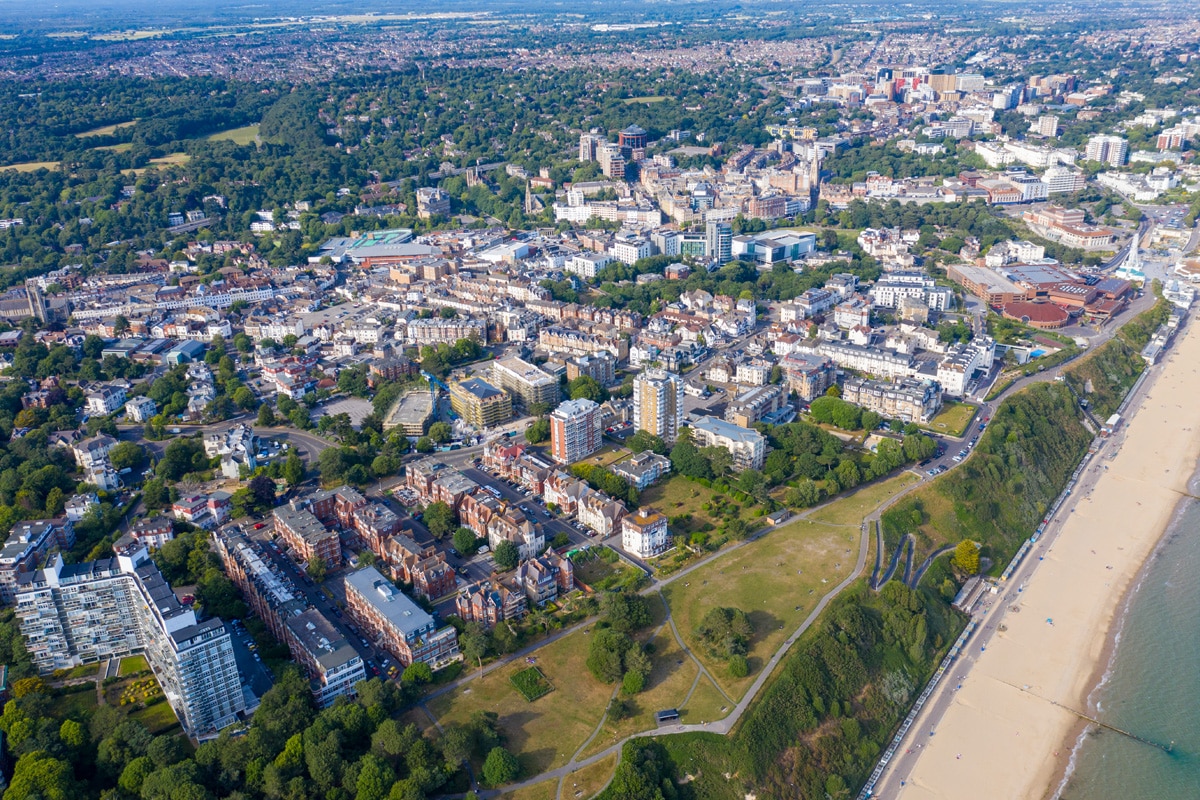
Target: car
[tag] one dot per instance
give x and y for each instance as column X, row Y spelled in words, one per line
column 258, row 526
column 931, row 472
column 453, row 552
column 956, row 459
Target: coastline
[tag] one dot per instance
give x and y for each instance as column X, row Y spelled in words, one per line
column 1012, row 724
column 1077, row 736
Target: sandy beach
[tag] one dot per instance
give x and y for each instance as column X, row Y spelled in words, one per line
column 1003, row 736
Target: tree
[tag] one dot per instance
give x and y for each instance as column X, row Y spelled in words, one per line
column 966, row 557
column 424, row 445
column 586, row 387
column 506, row 556
column 538, row 431
column 606, row 653
column 500, row 767
column 244, row 399
column 465, row 541
column 316, row 569
column 417, row 673
column 441, row 432
column 262, row 491
column 739, row 667
column 126, row 455
column 439, row 518
column 644, row 440
column 725, row 632
column 266, row 417
column 473, row 643
column 625, row 611
column 293, row 469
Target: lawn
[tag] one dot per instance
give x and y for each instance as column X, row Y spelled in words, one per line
column 677, row 496
column 601, row 574
column 547, row 733
column 607, row 456
column 245, row 135
column 33, row 166
column 953, row 419
column 81, row 671
column 853, row 509
column 106, row 130
column 648, row 99
column 776, row 580
column 705, row 705
column 157, row 718
column 74, row 705
column 587, row 782
column 171, row 159
column 115, row 148
column 671, row 676
column 131, row 665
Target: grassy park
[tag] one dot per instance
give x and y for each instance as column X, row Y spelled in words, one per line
column 953, row 420
column 132, row 665
column 546, row 733
column 106, row 130
column 776, row 580
column 243, row 135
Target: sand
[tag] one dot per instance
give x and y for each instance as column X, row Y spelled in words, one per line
column 1003, row 729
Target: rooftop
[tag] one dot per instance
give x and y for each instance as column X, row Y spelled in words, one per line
column 726, row 430
column 393, row 604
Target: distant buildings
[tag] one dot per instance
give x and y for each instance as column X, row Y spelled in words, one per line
column 658, row 403
column 27, row 547
column 82, row 613
column 575, row 431
column 432, row 201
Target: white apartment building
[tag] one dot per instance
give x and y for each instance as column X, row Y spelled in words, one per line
column 1107, row 150
column 83, row 613
column 140, row 409
column 658, row 403
column 1063, row 180
column 586, row 265
column 645, row 533
column 105, row 400
column 628, row 251
column 870, row 360
column 748, row 447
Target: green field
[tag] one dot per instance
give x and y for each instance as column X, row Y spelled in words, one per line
column 776, row 580
column 74, row 705
column 647, row 99
column 547, row 733
column 123, row 147
column 106, row 130
column 33, row 166
column 245, row 135
column 705, row 705
column 678, row 496
column 954, row 419
column 588, row 781
column 671, row 676
column 157, row 718
column 131, row 665
column 853, row 508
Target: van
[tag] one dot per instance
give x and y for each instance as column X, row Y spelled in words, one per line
column 485, row 549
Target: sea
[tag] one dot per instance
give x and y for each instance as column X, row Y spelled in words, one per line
column 1151, row 687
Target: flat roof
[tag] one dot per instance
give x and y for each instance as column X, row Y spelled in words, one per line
column 727, row 430
column 318, row 636
column 411, row 409
column 392, row 603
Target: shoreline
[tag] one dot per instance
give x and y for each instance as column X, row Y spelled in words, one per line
column 1078, row 735
column 1012, row 723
